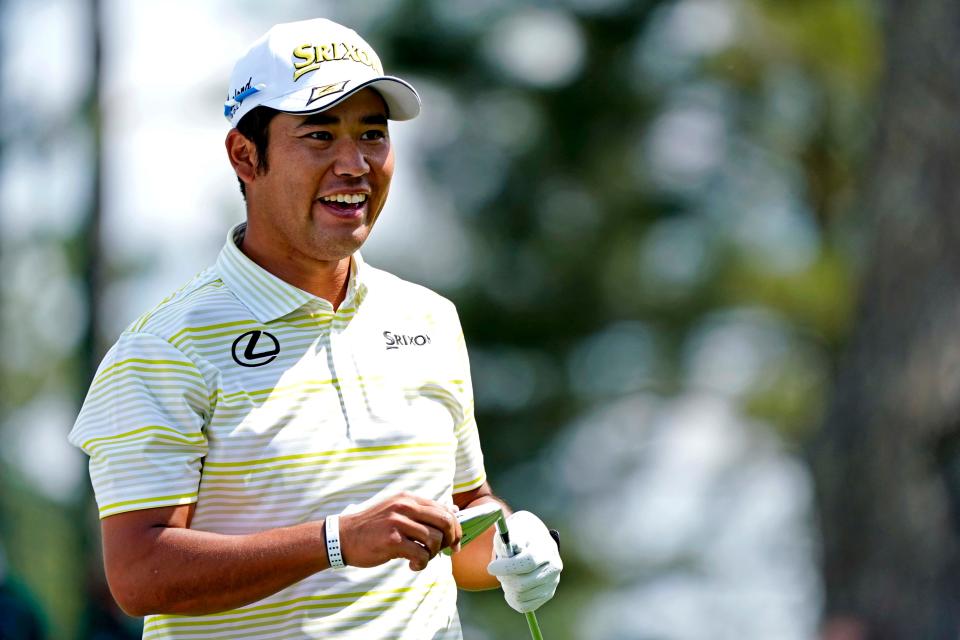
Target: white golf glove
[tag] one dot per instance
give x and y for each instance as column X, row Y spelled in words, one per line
column 530, row 577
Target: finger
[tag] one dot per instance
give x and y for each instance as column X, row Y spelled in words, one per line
column 527, row 600
column 454, row 509
column 517, row 565
column 415, row 553
column 430, row 538
column 434, row 541
column 444, row 521
column 423, row 502
column 542, row 554
column 536, row 597
column 432, row 513
column 526, row 606
column 450, row 526
column 522, row 606
column 456, row 533
column 533, row 581
column 452, row 531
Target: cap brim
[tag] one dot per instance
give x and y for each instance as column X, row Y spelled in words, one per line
column 403, row 102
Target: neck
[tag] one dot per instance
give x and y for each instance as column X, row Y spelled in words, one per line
column 325, row 279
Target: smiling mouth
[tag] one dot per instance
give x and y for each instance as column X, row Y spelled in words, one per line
column 344, row 202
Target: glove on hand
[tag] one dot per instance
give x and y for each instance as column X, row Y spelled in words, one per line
column 530, row 577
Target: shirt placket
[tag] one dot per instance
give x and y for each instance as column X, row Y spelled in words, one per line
column 339, row 343
column 325, row 366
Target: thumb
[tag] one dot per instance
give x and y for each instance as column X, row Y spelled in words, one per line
column 517, row 565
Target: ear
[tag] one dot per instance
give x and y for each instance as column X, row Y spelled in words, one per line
column 243, row 156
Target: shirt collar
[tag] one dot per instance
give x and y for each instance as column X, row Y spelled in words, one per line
column 267, row 296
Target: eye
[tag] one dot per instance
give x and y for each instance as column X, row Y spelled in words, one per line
column 373, row 134
column 319, row 135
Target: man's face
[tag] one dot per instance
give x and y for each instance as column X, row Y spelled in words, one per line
column 327, row 180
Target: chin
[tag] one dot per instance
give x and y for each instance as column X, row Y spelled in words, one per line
column 327, row 248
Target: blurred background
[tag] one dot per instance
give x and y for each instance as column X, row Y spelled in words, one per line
column 706, row 254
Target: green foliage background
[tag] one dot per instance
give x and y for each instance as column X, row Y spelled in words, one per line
column 597, row 260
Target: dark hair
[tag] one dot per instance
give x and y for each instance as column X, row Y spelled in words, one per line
column 253, row 126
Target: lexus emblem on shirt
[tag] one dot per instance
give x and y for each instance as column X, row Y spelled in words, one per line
column 255, row 349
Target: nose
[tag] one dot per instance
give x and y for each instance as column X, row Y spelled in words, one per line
column 350, row 161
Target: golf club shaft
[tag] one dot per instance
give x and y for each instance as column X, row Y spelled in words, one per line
column 504, row 534
column 534, row 626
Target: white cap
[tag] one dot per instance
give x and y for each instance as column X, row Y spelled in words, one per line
column 309, row 66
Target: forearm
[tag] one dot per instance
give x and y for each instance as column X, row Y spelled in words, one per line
column 470, row 563
column 184, row 571
column 156, row 563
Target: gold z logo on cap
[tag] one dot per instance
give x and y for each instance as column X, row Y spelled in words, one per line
column 326, row 90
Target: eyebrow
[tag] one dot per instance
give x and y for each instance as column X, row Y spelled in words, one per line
column 324, row 119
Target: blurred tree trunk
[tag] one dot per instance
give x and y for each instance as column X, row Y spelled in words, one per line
column 100, row 618
column 90, row 235
column 888, row 460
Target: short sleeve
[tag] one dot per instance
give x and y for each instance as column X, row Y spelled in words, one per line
column 470, row 472
column 142, row 426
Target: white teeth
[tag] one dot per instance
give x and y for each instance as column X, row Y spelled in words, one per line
column 348, row 198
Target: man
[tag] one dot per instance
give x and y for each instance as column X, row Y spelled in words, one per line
column 278, row 449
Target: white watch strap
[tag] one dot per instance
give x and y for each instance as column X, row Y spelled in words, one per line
column 333, row 542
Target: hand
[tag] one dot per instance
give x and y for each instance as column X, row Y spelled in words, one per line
column 530, row 577
column 404, row 526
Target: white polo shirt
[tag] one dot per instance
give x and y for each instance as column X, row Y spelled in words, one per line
column 267, row 408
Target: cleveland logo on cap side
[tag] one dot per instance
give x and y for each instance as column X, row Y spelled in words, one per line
column 312, row 56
